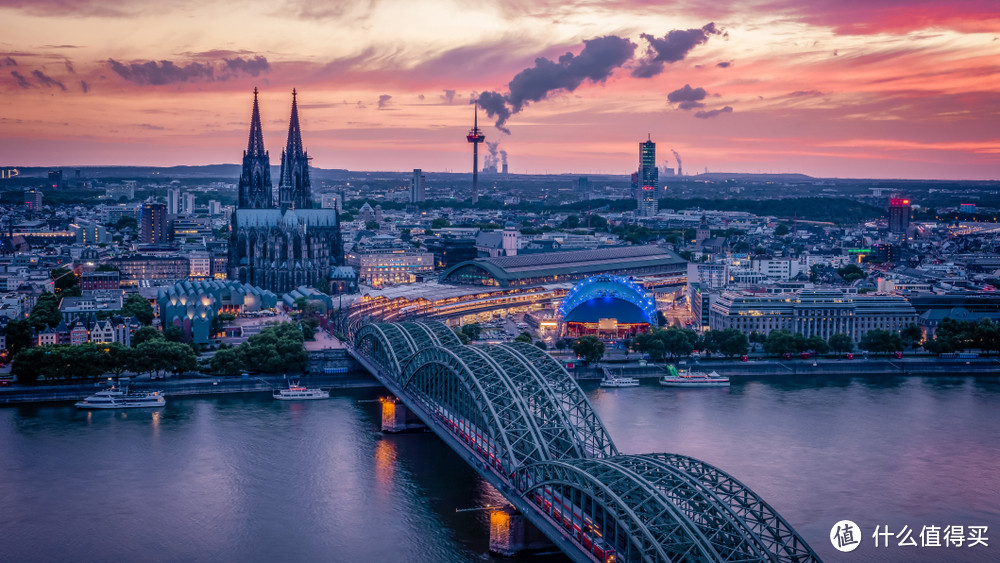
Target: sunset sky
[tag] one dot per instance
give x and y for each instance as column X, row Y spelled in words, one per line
column 835, row 88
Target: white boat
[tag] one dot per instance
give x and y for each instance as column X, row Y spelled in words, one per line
column 611, row 381
column 122, row 398
column 296, row 392
column 688, row 378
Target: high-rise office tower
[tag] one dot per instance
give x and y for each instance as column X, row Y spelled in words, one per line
column 153, row 221
column 174, row 201
column 187, row 205
column 899, row 215
column 418, row 193
column 648, row 177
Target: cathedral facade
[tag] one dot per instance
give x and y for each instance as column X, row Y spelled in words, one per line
column 284, row 246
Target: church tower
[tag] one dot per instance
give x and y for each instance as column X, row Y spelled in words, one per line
column 294, row 188
column 255, row 181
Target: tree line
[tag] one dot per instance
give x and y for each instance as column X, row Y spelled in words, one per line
column 277, row 349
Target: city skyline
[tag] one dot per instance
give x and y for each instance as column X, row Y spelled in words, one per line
column 830, row 89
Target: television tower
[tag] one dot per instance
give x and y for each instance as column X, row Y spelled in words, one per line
column 475, row 137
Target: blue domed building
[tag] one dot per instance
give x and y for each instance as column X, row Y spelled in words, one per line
column 607, row 306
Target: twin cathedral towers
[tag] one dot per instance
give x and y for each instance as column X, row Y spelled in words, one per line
column 289, row 245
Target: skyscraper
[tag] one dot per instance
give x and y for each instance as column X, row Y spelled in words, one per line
column 899, row 215
column 174, row 201
column 153, row 223
column 648, row 177
column 417, row 190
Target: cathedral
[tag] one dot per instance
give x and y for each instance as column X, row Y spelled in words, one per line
column 289, row 245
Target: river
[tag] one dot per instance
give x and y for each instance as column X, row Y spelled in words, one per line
column 247, row 478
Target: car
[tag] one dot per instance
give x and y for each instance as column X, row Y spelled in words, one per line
column 898, row 355
column 744, row 358
column 786, row 356
column 804, row 355
column 849, row 356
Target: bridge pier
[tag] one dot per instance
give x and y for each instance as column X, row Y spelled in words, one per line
column 397, row 418
column 511, row 533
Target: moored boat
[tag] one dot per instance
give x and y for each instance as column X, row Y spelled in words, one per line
column 611, row 381
column 122, row 398
column 296, row 392
column 690, row 378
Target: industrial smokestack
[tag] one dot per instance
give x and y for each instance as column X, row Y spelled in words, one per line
column 491, row 162
column 503, row 161
column 680, row 172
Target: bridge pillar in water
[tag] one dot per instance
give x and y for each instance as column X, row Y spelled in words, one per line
column 396, row 417
column 511, row 533
column 507, row 532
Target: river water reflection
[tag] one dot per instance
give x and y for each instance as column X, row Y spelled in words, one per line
column 246, row 478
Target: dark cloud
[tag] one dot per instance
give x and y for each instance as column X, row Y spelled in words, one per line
column 724, row 64
column 687, row 97
column 598, row 59
column 249, row 66
column 84, row 86
column 449, row 96
column 805, row 94
column 69, row 66
column 150, row 127
column 495, row 105
column 672, row 47
column 713, row 112
column 22, row 82
column 46, row 80
column 383, row 101
column 158, row 73
column 9, row 62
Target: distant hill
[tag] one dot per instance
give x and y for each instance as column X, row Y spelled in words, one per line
column 752, row 177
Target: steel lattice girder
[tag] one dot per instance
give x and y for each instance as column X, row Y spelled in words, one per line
column 663, row 495
column 772, row 530
column 443, row 335
column 643, row 526
column 386, row 344
column 545, row 409
column 485, row 395
column 422, row 338
column 572, row 400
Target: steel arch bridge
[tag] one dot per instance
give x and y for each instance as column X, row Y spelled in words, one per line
column 522, row 422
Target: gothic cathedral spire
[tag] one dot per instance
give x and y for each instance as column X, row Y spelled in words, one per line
column 294, row 187
column 255, row 180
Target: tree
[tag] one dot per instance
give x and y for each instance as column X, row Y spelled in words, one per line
column 851, row 272
column 524, row 337
column 116, row 359
column 440, row 223
column 590, row 348
column 45, row 313
column 145, row 334
column 472, row 330
column 782, row 341
column 878, row 340
column 18, row 334
column 227, row 361
column 308, row 327
column 841, row 343
column 733, row 343
column 126, row 223
column 912, row 335
column 464, row 338
column 174, row 334
column 371, row 226
column 540, row 344
column 781, row 230
column 562, row 344
column 676, row 343
column 137, row 306
column 987, row 335
column 276, row 349
column 817, row 344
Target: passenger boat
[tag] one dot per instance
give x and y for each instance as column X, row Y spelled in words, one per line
column 122, row 398
column 618, row 381
column 688, row 378
column 296, row 392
